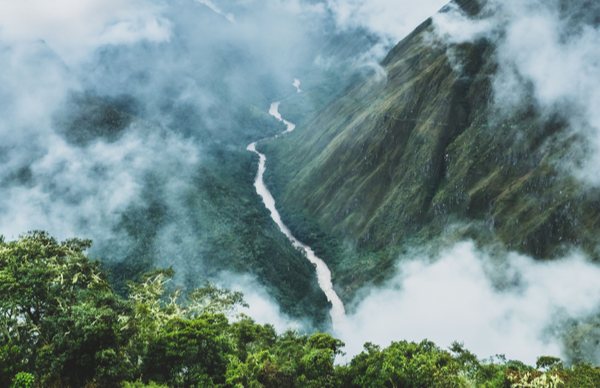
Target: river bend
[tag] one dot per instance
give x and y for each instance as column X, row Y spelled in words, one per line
column 337, row 312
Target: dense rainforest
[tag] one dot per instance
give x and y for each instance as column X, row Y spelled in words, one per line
column 62, row 325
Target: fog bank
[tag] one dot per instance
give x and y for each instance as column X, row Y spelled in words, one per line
column 514, row 306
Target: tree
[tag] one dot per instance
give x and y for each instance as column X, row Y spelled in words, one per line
column 549, row 363
column 59, row 317
column 189, row 352
column 403, row 364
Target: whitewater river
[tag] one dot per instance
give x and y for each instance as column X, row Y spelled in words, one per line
column 337, row 312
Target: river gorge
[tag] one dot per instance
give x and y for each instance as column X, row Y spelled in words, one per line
column 337, row 312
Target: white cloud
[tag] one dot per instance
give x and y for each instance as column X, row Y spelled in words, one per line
column 550, row 47
column 211, row 5
column 75, row 191
column 454, row 25
column 263, row 309
column 391, row 19
column 75, row 27
column 65, row 189
column 493, row 307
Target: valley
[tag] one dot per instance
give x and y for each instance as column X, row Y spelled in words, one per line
column 300, row 193
column 423, row 156
column 323, row 273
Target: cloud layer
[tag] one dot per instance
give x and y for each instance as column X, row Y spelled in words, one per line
column 509, row 306
column 390, row 19
column 74, row 28
column 50, row 183
column 547, row 54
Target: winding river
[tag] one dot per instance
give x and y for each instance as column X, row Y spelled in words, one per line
column 337, row 311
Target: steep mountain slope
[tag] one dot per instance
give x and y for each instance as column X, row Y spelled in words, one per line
column 421, row 152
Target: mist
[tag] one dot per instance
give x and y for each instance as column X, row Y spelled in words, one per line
column 506, row 303
column 546, row 54
column 76, row 28
column 122, row 119
column 511, row 305
column 116, row 115
column 262, row 307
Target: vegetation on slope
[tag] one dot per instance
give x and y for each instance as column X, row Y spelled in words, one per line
column 61, row 325
column 217, row 222
column 212, row 94
column 398, row 160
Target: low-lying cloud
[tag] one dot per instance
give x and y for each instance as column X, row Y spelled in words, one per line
column 509, row 306
column 71, row 190
column 82, row 190
column 548, row 56
column 262, row 307
column 112, row 113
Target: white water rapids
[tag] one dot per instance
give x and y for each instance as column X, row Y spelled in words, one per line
column 338, row 314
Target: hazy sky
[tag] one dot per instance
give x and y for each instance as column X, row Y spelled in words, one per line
column 74, row 28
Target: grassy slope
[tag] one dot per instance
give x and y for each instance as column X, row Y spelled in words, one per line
column 404, row 159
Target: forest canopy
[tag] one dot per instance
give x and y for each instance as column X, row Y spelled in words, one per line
column 61, row 325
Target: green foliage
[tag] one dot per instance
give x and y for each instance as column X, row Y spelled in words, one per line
column 23, row 380
column 403, row 364
column 139, row 384
column 291, row 360
column 187, row 353
column 536, row 379
column 60, row 312
column 583, row 375
column 250, row 337
column 90, row 337
column 548, row 363
column 211, row 299
column 10, row 360
column 226, row 227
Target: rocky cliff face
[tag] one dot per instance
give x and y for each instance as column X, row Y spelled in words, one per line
column 420, row 149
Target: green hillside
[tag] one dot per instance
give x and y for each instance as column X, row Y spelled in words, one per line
column 423, row 153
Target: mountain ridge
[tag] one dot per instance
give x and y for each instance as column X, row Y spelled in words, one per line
column 425, row 152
